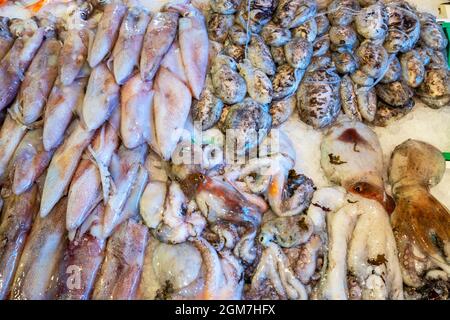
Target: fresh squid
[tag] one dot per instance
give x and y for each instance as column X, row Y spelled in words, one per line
column 29, row 162
column 14, row 65
column 59, row 110
column 171, row 105
column 127, row 49
column 125, row 168
column 81, row 262
column 17, row 217
column 107, row 32
column 63, row 166
column 11, row 134
column 6, row 38
column 101, row 98
column 41, row 256
column 121, row 270
column 136, row 108
column 173, row 62
column 73, row 55
column 158, row 38
column 39, row 79
column 91, row 175
column 194, row 53
column 421, row 223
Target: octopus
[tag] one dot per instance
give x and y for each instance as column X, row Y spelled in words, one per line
column 420, row 222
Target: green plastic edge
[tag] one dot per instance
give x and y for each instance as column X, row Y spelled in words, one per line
column 446, row 27
column 446, row 156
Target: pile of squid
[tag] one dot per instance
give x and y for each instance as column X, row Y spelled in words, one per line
column 100, row 198
column 140, row 159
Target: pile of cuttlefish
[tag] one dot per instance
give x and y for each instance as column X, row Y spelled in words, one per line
column 139, row 157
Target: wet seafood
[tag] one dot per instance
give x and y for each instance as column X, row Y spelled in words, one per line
column 349, row 98
column 281, row 110
column 171, row 105
column 321, row 45
column 396, row 93
column 14, row 65
column 190, row 270
column 351, row 157
column 226, row 209
column 208, row 108
column 431, row 34
column 158, row 38
column 255, row 15
column 17, row 217
column 29, row 161
column 228, row 84
column 393, row 72
column 318, row 98
column 173, row 62
column 193, row 53
column 101, row 98
column 259, row 86
column 435, row 89
column 345, row 62
column 225, row 6
column 218, row 26
column 238, row 35
column 126, row 172
column 39, row 79
column 372, row 58
column 41, row 255
column 125, row 55
column 275, row 36
column 273, row 279
column 371, row 22
column 121, row 270
column 298, row 53
column 11, row 134
column 291, row 14
column 249, row 122
column 420, row 221
column 307, row 31
column 6, row 38
column 260, row 56
column 80, row 263
column 107, row 32
column 323, row 24
column 413, row 70
column 91, row 175
column 59, row 110
column 179, row 219
column 371, row 260
column 286, row 81
column 73, row 55
column 135, row 108
column 278, row 55
column 341, row 13
column 386, row 114
column 63, row 165
column 367, row 102
column 342, row 38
